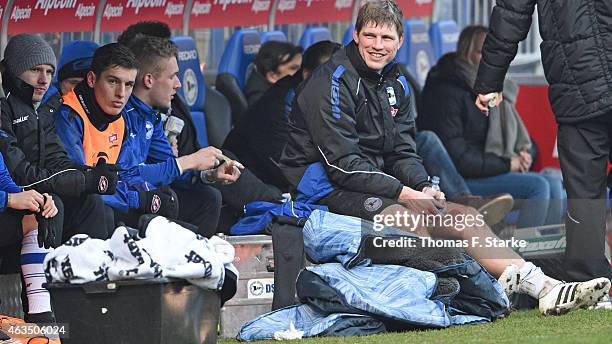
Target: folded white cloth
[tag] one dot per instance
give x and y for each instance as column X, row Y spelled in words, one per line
column 167, row 250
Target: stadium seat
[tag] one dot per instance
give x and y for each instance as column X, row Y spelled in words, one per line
column 348, row 35
column 273, row 36
column 238, row 54
column 313, row 35
column 416, row 52
column 444, row 36
column 210, row 111
column 193, row 90
column 218, row 117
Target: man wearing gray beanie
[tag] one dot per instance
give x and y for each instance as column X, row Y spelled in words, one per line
column 33, row 153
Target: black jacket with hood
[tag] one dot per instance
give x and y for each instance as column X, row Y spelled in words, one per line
column 31, row 149
column 576, row 52
column 357, row 123
column 448, row 109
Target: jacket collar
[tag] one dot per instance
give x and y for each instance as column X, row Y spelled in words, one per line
column 143, row 109
column 86, row 97
column 390, row 71
column 17, row 87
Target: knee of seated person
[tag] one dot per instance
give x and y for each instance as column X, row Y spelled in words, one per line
column 429, row 137
column 539, row 187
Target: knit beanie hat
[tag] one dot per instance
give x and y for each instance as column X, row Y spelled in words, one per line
column 25, row 51
column 75, row 59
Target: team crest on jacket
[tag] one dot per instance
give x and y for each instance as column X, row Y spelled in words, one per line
column 372, row 204
column 155, row 204
column 149, row 127
column 391, row 96
column 102, row 184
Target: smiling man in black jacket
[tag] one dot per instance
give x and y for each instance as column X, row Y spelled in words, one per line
column 350, row 149
column 577, row 60
column 33, row 153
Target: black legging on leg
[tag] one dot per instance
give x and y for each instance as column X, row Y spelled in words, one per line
column 86, row 215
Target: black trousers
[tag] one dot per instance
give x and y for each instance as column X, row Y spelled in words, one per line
column 584, row 151
column 199, row 206
column 86, row 215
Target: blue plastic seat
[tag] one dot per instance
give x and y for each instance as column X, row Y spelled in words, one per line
column 313, row 35
column 238, row 54
column 416, row 52
column 444, row 36
column 348, row 35
column 193, row 89
column 273, row 36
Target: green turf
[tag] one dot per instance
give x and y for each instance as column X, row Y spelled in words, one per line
column 521, row 327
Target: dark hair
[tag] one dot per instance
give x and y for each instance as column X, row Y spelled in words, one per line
column 149, row 50
column 110, row 56
column 144, row 28
column 381, row 12
column 465, row 44
column 318, row 53
column 273, row 54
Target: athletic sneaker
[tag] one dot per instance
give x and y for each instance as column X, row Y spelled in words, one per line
column 604, row 303
column 564, row 297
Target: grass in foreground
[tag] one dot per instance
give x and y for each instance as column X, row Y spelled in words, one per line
column 521, row 327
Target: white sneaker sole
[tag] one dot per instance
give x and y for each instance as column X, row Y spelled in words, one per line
column 587, row 294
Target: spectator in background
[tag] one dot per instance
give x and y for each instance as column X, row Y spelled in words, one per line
column 259, row 138
column 492, row 154
column 274, row 61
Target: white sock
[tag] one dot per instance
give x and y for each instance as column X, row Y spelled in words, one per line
column 534, row 282
column 32, row 258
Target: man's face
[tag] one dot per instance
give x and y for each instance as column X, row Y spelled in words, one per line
column 112, row 88
column 38, row 77
column 163, row 86
column 290, row 67
column 69, row 84
column 377, row 45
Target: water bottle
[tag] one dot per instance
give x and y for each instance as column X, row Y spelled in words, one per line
column 435, row 183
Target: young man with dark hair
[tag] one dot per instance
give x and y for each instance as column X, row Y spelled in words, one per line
column 156, row 85
column 32, row 151
column 91, row 127
column 274, row 61
column 258, row 139
column 352, row 150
